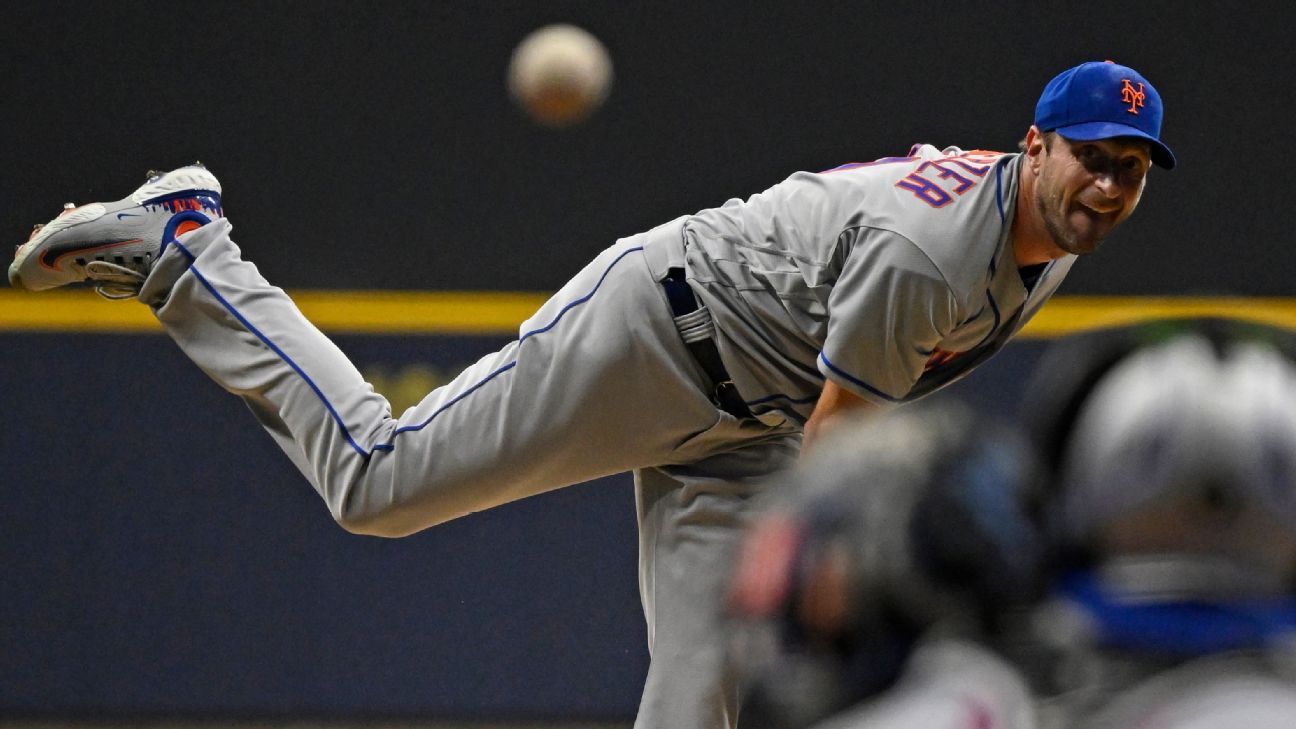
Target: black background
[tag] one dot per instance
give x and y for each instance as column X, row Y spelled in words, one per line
column 373, row 145
column 160, row 557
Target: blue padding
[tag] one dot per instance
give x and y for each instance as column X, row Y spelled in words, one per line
column 1181, row 628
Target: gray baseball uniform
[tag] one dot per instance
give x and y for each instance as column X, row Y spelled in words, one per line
column 895, row 277
column 947, row 684
column 1238, row 689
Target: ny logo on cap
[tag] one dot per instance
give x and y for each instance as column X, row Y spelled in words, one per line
column 1133, row 97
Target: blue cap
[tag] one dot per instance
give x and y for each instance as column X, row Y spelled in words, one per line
column 1100, row 100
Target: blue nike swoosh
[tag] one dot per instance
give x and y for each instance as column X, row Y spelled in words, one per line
column 128, row 215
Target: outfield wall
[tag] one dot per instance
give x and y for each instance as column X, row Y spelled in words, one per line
column 161, row 557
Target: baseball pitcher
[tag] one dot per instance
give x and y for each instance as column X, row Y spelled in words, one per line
column 696, row 354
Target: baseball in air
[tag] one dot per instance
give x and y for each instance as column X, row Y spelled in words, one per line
column 560, row 74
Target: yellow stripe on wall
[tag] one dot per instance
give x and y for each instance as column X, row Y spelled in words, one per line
column 1070, row 314
column 339, row 312
column 500, row 313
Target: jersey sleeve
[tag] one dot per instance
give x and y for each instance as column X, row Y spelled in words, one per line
column 887, row 313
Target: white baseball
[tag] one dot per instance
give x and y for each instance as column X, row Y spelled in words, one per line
column 560, row 74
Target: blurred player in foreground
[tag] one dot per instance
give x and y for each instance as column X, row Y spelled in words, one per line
column 695, row 354
column 895, row 554
column 1161, row 524
column 1171, row 450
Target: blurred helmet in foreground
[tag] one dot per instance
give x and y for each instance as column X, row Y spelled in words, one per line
column 892, row 525
column 1172, row 448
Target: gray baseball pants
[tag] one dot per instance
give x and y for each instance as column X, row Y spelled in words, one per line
column 598, row 382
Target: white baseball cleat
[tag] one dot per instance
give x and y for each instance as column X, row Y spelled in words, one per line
column 115, row 244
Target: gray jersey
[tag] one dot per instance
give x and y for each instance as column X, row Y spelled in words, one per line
column 892, row 278
column 962, row 685
column 947, row 684
column 1241, row 689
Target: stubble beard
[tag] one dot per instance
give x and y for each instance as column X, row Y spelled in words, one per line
column 1061, row 233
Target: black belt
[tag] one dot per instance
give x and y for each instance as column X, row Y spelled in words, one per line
column 724, row 394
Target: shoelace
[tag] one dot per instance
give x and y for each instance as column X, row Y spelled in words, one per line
column 114, row 281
